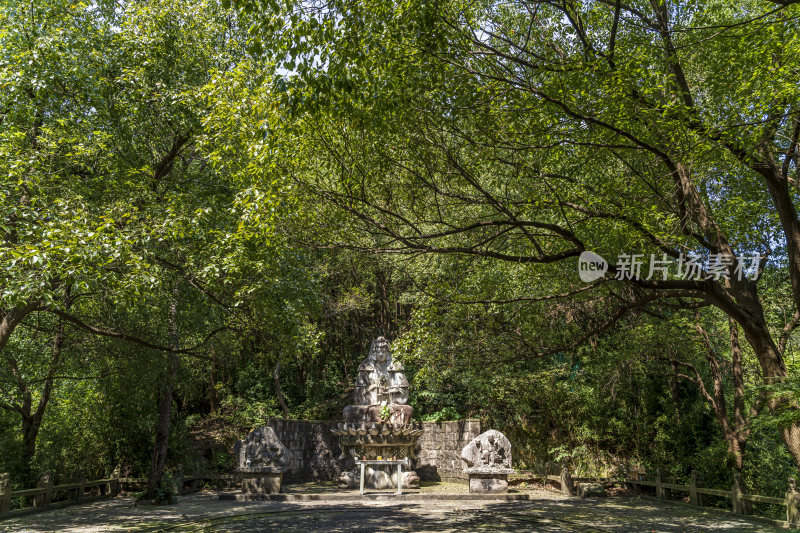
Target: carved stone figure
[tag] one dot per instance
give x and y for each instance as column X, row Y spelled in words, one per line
column 488, row 462
column 378, row 424
column 262, row 460
column 792, row 503
column 261, row 450
column 488, row 450
column 380, row 380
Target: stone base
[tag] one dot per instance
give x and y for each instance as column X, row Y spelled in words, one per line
column 261, row 483
column 367, row 414
column 488, row 482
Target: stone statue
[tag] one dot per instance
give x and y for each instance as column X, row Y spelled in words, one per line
column 380, row 380
column 378, row 426
column 261, row 450
column 262, row 460
column 488, row 462
column 792, row 502
column 488, row 450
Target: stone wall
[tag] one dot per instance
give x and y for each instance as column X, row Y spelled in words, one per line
column 315, row 450
column 439, row 448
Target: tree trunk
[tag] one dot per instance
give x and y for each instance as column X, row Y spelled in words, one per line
column 161, row 443
column 278, row 391
column 751, row 319
column 11, row 319
column 32, row 420
column 213, row 398
column 30, row 430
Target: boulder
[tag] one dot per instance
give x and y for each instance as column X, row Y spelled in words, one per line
column 591, row 490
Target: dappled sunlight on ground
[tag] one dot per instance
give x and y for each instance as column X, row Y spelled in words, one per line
column 546, row 512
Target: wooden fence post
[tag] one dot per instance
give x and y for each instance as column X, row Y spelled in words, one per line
column 5, row 494
column 45, row 482
column 659, row 488
column 566, row 481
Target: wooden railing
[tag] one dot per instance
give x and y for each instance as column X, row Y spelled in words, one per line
column 47, row 495
column 741, row 502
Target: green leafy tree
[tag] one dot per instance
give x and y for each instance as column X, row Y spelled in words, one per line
column 529, row 132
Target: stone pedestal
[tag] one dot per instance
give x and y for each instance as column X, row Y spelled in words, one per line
column 488, row 483
column 262, row 482
column 483, row 479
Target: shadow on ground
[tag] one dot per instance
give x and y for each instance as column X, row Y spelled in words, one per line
column 204, row 512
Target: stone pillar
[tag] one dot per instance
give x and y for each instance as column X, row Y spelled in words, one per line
column 45, row 482
column 197, row 483
column 566, row 481
column 179, row 481
column 694, row 497
column 792, row 502
column 81, row 486
column 5, row 494
column 738, row 504
column 659, row 488
column 114, row 486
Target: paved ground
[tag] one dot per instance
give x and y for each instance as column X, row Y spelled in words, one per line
column 546, row 512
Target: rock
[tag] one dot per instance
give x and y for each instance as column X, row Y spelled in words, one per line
column 410, row 480
column 378, row 477
column 591, row 490
column 348, row 479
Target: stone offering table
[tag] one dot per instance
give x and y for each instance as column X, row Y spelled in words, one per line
column 381, row 462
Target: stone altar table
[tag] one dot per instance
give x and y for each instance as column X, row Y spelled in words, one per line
column 382, row 462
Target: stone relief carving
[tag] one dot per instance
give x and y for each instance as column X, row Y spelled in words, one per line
column 262, row 451
column 488, row 451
